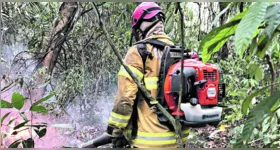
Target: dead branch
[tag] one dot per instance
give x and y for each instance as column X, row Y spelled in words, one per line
column 272, row 72
column 179, row 141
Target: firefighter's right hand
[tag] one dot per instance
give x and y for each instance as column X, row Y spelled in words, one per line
column 119, row 142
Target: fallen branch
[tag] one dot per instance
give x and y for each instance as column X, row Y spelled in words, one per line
column 140, row 86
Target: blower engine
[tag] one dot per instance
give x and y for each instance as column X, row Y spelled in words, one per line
column 201, row 89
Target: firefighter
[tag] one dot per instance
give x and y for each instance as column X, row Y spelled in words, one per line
column 147, row 23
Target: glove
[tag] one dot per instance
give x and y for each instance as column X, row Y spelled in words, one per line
column 117, row 137
column 119, row 142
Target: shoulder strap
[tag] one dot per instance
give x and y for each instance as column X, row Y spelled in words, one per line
column 144, row 53
column 157, row 43
column 142, row 48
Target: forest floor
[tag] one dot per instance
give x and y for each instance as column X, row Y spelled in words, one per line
column 204, row 137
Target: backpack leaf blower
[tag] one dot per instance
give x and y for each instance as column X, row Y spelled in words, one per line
column 202, row 90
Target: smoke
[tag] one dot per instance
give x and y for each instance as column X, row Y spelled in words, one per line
column 90, row 122
column 86, row 122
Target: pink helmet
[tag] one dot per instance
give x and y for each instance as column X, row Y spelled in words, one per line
column 145, row 10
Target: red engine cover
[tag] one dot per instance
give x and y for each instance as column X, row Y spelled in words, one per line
column 207, row 94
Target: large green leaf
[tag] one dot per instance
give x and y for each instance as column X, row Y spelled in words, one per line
column 217, row 37
column 255, row 117
column 17, row 100
column 272, row 19
column 246, row 103
column 43, row 99
column 4, row 117
column 39, row 109
column 5, row 104
column 248, row 26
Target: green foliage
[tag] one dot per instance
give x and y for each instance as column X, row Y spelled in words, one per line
column 43, row 99
column 217, row 37
column 17, row 100
column 246, row 31
column 5, row 104
column 247, row 102
column 18, row 103
column 15, row 144
column 234, row 74
column 23, row 116
column 272, row 19
column 21, row 125
column 11, row 121
column 255, row 71
column 256, row 116
column 39, row 109
column 29, row 143
column 4, row 117
column 248, row 26
column 41, row 132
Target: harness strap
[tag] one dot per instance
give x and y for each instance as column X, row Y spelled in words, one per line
column 144, row 53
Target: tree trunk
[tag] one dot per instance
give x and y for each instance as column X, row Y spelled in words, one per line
column 241, row 7
column 63, row 25
column 224, row 50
